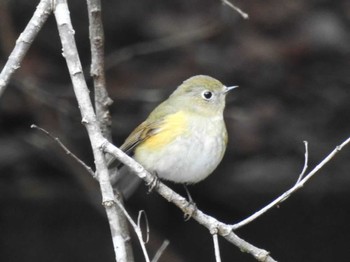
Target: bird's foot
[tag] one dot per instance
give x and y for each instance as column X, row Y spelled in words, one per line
column 153, row 184
column 191, row 207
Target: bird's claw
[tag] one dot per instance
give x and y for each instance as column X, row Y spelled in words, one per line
column 153, row 184
column 190, row 209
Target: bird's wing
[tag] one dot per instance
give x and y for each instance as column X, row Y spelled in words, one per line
column 140, row 134
column 146, row 129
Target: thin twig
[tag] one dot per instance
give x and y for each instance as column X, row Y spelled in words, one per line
column 297, row 186
column 237, row 9
column 84, row 181
column 141, row 214
column 216, row 247
column 161, row 250
column 68, row 152
column 43, row 10
column 306, row 160
column 136, row 228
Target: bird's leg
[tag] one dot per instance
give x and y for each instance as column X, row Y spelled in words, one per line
column 192, row 207
column 189, row 197
column 154, row 183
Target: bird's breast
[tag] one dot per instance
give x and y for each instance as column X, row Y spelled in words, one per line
column 187, row 148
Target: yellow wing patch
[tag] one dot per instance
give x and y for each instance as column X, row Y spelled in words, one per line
column 172, row 126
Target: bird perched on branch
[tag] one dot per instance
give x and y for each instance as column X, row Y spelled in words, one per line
column 184, row 138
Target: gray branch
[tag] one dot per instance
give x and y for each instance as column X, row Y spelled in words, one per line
column 300, row 183
column 43, row 10
column 70, row 53
column 207, row 221
column 102, row 100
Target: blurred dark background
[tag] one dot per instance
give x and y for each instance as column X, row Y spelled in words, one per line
column 291, row 61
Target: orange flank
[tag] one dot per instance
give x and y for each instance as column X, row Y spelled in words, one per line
column 174, row 125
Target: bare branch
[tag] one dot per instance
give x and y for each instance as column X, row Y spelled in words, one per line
column 238, row 10
column 43, row 10
column 207, row 221
column 160, row 250
column 84, row 181
column 306, row 160
column 296, row 187
column 70, row 53
column 216, row 245
column 136, row 228
column 68, row 152
column 102, row 100
column 97, row 72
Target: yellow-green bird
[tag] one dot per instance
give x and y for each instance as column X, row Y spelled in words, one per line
column 184, row 138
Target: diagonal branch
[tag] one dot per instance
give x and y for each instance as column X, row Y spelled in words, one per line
column 237, row 9
column 160, row 250
column 300, row 183
column 43, row 10
column 207, row 221
column 66, row 150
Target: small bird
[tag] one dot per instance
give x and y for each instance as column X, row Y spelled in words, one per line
column 184, row 139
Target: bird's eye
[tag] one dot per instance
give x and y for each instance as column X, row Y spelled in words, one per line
column 207, row 95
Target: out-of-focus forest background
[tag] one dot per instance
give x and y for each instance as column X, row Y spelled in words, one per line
column 291, row 60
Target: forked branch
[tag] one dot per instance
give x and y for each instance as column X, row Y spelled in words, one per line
column 300, row 183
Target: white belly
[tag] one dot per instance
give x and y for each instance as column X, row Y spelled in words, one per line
column 188, row 159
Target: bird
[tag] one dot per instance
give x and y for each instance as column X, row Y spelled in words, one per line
column 184, row 138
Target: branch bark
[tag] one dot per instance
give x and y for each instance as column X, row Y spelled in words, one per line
column 212, row 224
column 102, row 100
column 81, row 91
column 43, row 10
column 300, row 183
column 207, row 221
column 216, row 247
column 97, row 72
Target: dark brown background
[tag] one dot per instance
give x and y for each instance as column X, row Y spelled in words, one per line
column 291, row 61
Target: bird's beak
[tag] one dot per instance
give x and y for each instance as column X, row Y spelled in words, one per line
column 229, row 88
